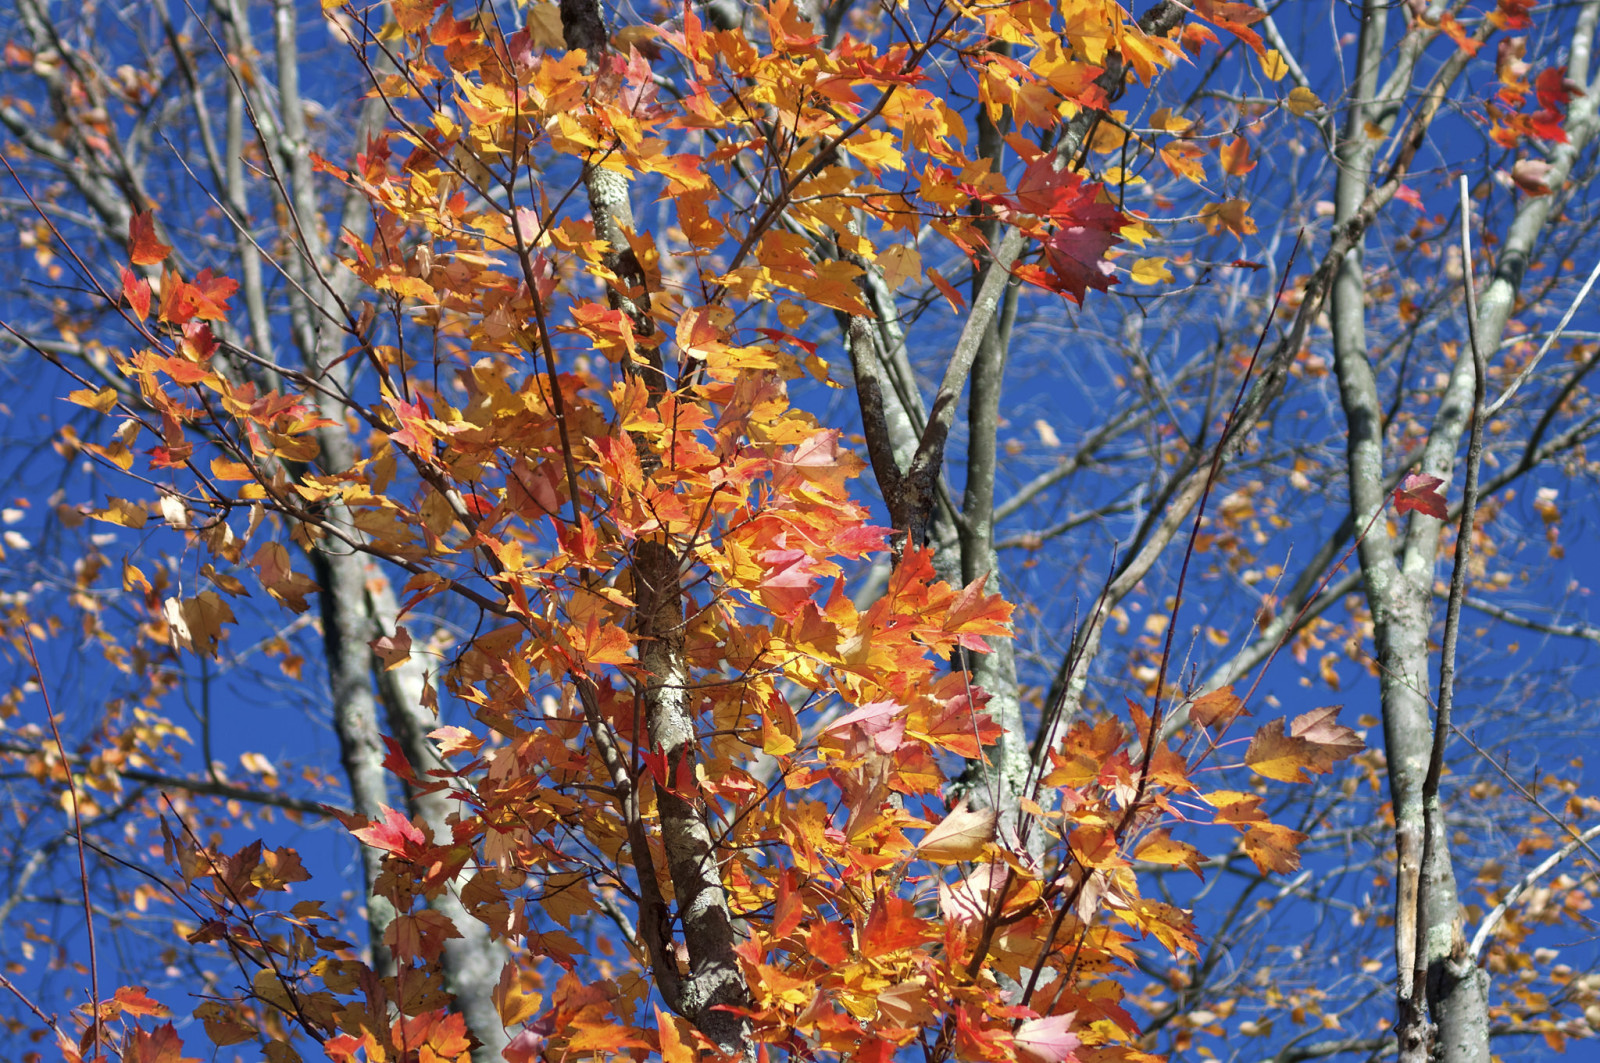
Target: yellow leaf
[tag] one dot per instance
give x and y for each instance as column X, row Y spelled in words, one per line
column 101, row 401
column 1165, row 120
column 1303, row 101
column 1273, row 66
column 1151, row 271
column 223, row 469
column 961, row 835
column 121, row 511
column 1160, row 848
column 512, row 998
column 544, row 26
column 1233, row 215
column 899, row 263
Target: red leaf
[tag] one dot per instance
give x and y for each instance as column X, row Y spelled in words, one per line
column 1553, row 89
column 1421, row 493
column 161, row 1045
column 136, row 290
column 396, row 834
column 143, row 247
column 135, row 1001
column 397, row 763
column 211, row 295
column 1077, row 260
column 1085, row 228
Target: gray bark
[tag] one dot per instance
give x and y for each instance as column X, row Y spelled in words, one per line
column 714, row 980
column 1399, row 577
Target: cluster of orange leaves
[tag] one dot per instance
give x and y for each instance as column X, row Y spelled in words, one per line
column 871, row 918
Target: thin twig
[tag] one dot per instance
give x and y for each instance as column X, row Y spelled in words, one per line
column 1549, row 341
column 1452, row 620
column 77, row 830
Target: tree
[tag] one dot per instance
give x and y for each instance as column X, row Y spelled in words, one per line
column 508, row 378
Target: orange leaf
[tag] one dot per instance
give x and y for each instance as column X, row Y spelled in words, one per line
column 957, row 303
column 135, row 1001
column 1273, row 847
column 1236, row 18
column 892, row 926
column 143, row 247
column 161, row 1045
column 1235, row 157
column 1217, row 709
column 136, row 290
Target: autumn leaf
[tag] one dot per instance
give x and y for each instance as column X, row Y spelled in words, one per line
column 1161, row 848
column 136, row 290
column 1314, row 743
column 135, row 1001
column 161, row 1045
column 1420, row 493
column 1236, row 158
column 1217, row 709
column 1236, row 18
column 393, row 650
column 143, row 247
column 1150, row 271
column 893, row 925
column 1302, row 101
column 961, row 835
column 101, row 401
column 395, row 834
column 1531, row 176
column 1048, row 1040
column 1273, row 848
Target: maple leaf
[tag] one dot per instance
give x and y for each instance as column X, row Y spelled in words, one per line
column 961, row 835
column 1077, row 259
column 393, row 650
column 879, row 722
column 161, row 1045
column 395, row 834
column 1217, row 709
column 1313, row 743
column 135, row 1001
column 893, row 925
column 1531, row 175
column 136, row 290
column 1236, row 18
column 1274, row 848
column 420, row 934
column 1048, row 1040
column 1084, row 227
column 526, row 1047
column 680, row 782
column 211, row 294
column 1418, row 492
column 144, row 249
column 1161, row 848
